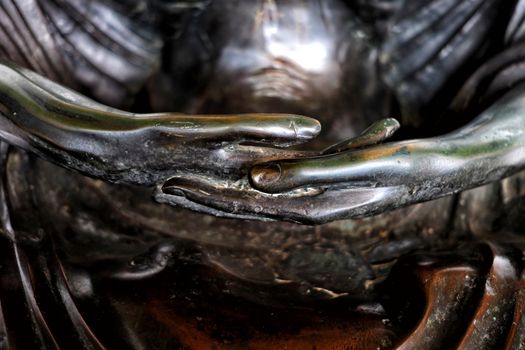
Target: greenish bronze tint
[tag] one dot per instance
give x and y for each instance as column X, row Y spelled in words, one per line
column 374, row 134
column 66, row 109
column 490, row 147
column 78, row 133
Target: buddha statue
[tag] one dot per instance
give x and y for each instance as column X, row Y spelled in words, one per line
column 166, row 183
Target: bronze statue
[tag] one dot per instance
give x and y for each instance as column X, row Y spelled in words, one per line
column 401, row 249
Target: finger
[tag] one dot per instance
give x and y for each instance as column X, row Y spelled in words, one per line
column 175, row 196
column 372, row 166
column 62, row 109
column 310, row 206
column 277, row 129
column 374, row 134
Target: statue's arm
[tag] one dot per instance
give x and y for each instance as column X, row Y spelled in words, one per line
column 487, row 149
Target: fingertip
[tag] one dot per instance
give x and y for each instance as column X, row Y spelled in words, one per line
column 390, row 121
column 391, row 125
column 264, row 177
column 305, row 127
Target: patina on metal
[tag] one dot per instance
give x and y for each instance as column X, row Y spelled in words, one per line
column 295, row 237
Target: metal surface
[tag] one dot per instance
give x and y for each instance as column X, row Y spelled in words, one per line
column 383, row 240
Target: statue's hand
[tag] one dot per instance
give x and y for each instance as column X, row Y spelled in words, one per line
column 310, row 189
column 203, row 162
column 348, row 184
column 369, row 180
column 144, row 149
column 215, row 146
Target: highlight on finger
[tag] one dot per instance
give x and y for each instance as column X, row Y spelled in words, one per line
column 341, row 169
column 281, row 128
column 376, row 133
